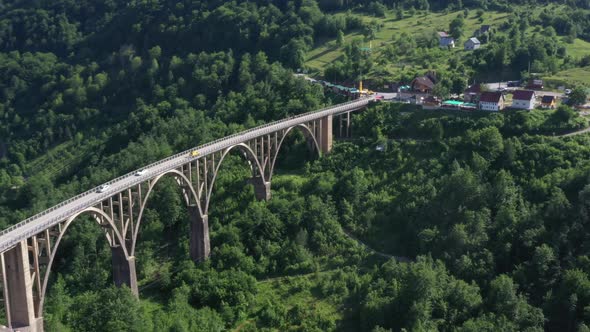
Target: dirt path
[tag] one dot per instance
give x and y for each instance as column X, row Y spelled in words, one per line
column 579, row 132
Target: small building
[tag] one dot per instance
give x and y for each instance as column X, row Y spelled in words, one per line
column 472, row 44
column 548, row 102
column 472, row 93
column 424, row 84
column 430, row 102
column 535, row 84
column 491, row 101
column 445, row 40
column 482, row 30
column 523, row 99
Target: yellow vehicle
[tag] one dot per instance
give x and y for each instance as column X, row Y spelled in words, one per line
column 194, row 153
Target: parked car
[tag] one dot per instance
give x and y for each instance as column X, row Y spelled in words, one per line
column 568, row 91
column 513, row 84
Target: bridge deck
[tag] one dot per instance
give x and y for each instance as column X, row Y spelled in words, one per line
column 50, row 217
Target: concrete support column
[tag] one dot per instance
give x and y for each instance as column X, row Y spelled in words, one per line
column 19, row 290
column 124, row 270
column 199, row 245
column 326, row 130
column 348, row 127
column 261, row 188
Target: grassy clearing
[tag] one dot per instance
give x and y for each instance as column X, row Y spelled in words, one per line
column 578, row 49
column 327, row 51
column 574, row 76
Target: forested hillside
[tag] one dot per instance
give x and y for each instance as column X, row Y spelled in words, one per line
column 490, row 211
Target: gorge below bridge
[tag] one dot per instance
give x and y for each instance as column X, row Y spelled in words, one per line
column 28, row 249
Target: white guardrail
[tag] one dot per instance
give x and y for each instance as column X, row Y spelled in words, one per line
column 16, row 233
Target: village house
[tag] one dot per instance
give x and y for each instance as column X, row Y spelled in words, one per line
column 482, row 30
column 445, row 40
column 472, row 93
column 491, row 101
column 424, row 84
column 523, row 99
column 471, row 44
column 548, row 102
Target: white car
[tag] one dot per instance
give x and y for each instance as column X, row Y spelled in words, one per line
column 103, row 188
column 140, row 172
column 568, row 91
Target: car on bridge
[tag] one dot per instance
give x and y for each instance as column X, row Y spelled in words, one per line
column 194, row 153
column 103, row 188
column 140, row 172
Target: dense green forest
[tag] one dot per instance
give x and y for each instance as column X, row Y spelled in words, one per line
column 487, row 213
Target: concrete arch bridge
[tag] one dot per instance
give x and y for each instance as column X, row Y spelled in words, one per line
column 28, row 249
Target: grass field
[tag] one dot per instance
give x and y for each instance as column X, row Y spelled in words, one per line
column 574, row 76
column 327, row 51
column 578, row 49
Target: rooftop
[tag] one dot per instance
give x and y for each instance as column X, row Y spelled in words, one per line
column 474, row 40
column 523, row 95
column 491, row 97
column 475, row 88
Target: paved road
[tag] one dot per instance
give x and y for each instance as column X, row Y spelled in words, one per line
column 494, row 86
column 34, row 225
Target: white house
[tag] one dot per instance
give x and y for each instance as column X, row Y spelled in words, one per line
column 491, row 101
column 472, row 44
column 523, row 99
column 445, row 40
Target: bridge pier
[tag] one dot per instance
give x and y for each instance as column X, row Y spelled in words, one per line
column 199, row 245
column 124, row 270
column 261, row 188
column 325, row 140
column 344, row 129
column 18, row 290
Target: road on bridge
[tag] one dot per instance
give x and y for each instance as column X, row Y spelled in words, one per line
column 48, row 218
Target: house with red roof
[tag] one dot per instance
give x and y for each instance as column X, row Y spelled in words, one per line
column 491, row 101
column 472, row 93
column 523, row 99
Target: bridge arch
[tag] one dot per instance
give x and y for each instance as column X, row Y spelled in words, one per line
column 96, row 213
column 255, row 166
column 309, row 137
column 191, row 194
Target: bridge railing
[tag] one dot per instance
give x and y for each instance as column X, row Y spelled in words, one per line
column 132, row 173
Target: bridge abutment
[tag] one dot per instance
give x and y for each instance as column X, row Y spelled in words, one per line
column 124, row 270
column 199, row 244
column 326, row 134
column 18, row 290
